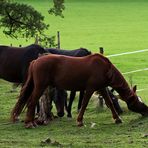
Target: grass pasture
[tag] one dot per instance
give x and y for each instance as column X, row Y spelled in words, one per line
column 118, row 26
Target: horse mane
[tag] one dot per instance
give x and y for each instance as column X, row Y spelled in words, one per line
column 118, row 82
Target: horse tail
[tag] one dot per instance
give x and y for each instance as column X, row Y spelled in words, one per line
column 24, row 95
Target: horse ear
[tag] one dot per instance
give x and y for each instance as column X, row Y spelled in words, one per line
column 135, row 88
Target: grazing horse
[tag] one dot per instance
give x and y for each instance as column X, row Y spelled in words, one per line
column 89, row 73
column 81, row 52
column 78, row 53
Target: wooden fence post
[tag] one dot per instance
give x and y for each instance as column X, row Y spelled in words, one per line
column 58, row 39
column 101, row 50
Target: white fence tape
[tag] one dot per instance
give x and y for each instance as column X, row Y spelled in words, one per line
column 134, row 71
column 125, row 53
column 139, row 70
column 141, row 90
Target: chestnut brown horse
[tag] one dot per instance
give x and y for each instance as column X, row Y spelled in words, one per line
column 90, row 73
column 81, row 52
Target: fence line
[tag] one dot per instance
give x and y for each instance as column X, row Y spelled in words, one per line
column 126, row 53
column 139, row 70
column 134, row 71
column 141, row 89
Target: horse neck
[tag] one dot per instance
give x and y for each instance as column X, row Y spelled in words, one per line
column 118, row 82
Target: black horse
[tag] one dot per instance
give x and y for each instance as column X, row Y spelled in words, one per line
column 58, row 93
column 81, row 52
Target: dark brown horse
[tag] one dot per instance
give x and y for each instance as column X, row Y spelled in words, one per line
column 15, row 61
column 90, row 73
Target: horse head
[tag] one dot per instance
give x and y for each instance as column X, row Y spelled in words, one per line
column 59, row 100
column 135, row 104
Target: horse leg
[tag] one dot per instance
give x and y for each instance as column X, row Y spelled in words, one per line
column 115, row 102
column 110, row 105
column 80, row 99
column 60, row 98
column 65, row 103
column 71, row 99
column 48, row 106
column 117, row 106
column 85, row 101
column 31, row 104
column 45, row 104
column 37, row 108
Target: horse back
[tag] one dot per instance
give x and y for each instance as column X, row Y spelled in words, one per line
column 71, row 73
column 76, row 52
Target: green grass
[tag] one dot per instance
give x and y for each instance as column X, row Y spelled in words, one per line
column 131, row 133
column 118, row 26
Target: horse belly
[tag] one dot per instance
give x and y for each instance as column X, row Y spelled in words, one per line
column 78, row 84
column 70, row 86
column 11, row 77
column 10, row 72
column 69, row 82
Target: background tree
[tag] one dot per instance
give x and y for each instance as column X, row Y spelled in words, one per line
column 22, row 20
column 57, row 8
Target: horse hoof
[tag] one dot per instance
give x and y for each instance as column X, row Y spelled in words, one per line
column 39, row 122
column 15, row 119
column 145, row 114
column 55, row 117
column 118, row 121
column 47, row 121
column 120, row 112
column 69, row 116
column 35, row 124
column 80, row 124
column 30, row 125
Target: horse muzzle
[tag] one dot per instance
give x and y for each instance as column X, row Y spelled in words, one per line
column 145, row 113
column 60, row 114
